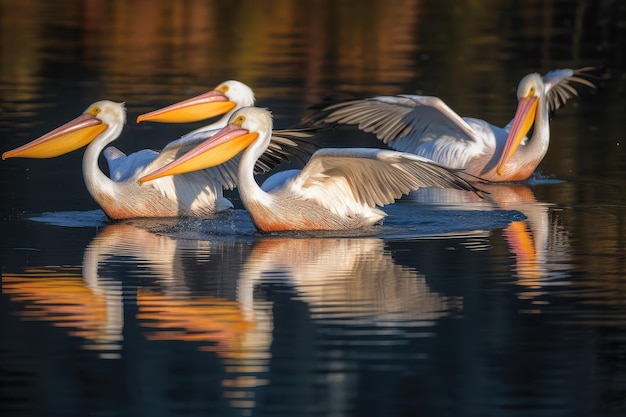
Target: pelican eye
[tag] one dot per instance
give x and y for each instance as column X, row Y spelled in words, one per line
column 94, row 110
column 223, row 88
column 240, row 120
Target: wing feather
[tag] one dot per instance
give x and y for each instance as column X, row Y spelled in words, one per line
column 403, row 122
column 407, row 122
column 285, row 146
column 122, row 166
column 373, row 177
column 563, row 84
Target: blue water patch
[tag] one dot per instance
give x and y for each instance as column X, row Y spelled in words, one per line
column 407, row 220
column 227, row 224
column 92, row 218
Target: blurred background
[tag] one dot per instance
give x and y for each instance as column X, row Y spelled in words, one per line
column 468, row 326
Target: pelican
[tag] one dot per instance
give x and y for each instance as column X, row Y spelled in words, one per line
column 338, row 189
column 198, row 193
column 426, row 126
column 224, row 100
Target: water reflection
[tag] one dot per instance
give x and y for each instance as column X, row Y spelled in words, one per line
column 220, row 297
column 61, row 296
column 159, row 48
column 188, row 290
column 167, row 304
column 344, row 278
column 142, row 51
column 538, row 244
column 205, row 291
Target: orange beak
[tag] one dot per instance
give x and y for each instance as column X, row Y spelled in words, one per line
column 64, row 139
column 207, row 105
column 524, row 119
column 224, row 145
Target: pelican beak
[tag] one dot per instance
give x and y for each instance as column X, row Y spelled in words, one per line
column 524, row 119
column 64, row 139
column 207, row 105
column 223, row 146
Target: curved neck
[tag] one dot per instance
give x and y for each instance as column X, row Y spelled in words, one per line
column 249, row 189
column 95, row 180
column 537, row 145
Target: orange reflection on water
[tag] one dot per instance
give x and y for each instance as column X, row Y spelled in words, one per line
column 220, row 326
column 62, row 297
column 521, row 242
column 218, row 322
column 538, row 245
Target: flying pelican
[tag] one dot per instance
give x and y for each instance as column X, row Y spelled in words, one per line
column 195, row 194
column 426, row 126
column 338, row 189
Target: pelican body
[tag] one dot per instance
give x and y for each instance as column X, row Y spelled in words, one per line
column 198, row 193
column 338, row 189
column 120, row 196
column 426, row 126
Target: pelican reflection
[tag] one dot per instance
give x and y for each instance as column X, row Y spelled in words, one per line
column 539, row 244
column 89, row 300
column 351, row 285
column 207, row 293
column 169, row 306
column 61, row 296
column 344, row 278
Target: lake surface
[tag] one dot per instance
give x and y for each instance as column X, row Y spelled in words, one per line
column 510, row 306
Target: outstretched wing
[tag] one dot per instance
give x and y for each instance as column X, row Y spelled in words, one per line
column 403, row 122
column 372, row 177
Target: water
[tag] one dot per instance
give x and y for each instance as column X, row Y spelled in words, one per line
column 513, row 305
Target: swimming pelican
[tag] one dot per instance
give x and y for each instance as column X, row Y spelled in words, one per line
column 426, row 126
column 195, row 194
column 338, row 189
column 224, row 100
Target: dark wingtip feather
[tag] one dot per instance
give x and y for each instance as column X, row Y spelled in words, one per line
column 285, row 146
column 581, row 81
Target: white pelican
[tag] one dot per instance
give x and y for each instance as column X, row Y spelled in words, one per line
column 195, row 194
column 224, row 100
column 426, row 126
column 337, row 190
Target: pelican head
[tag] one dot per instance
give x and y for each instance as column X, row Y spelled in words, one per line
column 74, row 134
column 223, row 99
column 529, row 92
column 243, row 128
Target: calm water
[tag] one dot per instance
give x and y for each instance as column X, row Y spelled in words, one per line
column 514, row 306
